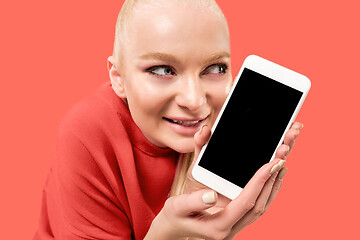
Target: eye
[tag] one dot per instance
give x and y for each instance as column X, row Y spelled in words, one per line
column 161, row 70
column 216, row 69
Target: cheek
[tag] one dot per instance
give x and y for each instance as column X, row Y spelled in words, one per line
column 143, row 105
column 217, row 94
column 146, row 87
column 147, row 101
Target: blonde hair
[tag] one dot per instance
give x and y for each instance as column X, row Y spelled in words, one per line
column 184, row 163
column 122, row 32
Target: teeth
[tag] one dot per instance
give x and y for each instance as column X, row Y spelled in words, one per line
column 185, row 122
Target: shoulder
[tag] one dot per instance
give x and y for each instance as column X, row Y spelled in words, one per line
column 93, row 116
column 86, row 171
column 92, row 134
column 95, row 128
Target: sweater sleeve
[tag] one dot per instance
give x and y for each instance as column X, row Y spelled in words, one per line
column 79, row 201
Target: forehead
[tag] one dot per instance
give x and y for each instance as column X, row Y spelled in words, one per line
column 177, row 28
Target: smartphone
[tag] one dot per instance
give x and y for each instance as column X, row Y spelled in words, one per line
column 261, row 106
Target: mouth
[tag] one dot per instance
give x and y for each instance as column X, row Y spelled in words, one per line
column 183, row 122
column 185, row 126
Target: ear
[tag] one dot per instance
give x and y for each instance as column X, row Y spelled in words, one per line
column 116, row 80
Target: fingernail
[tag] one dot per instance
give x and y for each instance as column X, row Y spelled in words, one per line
column 282, row 173
column 277, row 166
column 288, row 149
column 202, row 129
column 301, row 127
column 274, row 169
column 208, row 197
column 281, row 163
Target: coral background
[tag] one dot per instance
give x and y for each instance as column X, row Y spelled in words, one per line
column 53, row 53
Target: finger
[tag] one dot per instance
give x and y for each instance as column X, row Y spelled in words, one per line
column 248, row 219
column 291, row 136
column 297, row 125
column 260, row 206
column 276, row 187
column 282, row 151
column 200, row 138
column 236, row 209
column 293, row 132
column 188, row 204
column 261, row 202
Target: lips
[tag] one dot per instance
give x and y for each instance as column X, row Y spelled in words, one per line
column 184, row 123
column 185, row 126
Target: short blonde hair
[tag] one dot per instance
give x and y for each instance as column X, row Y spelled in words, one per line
column 130, row 6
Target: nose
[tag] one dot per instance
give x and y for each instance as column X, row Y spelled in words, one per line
column 191, row 94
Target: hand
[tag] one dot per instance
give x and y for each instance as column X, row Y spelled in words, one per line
column 192, row 215
column 275, row 180
column 203, row 136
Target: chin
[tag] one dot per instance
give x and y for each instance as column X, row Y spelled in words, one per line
column 183, row 145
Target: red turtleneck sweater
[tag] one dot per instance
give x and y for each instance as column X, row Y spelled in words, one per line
column 107, row 181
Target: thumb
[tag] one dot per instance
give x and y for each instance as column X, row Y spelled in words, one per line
column 200, row 138
column 198, row 201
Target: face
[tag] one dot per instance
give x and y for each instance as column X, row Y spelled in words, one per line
column 176, row 73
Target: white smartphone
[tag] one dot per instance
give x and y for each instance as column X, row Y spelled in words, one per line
column 261, row 106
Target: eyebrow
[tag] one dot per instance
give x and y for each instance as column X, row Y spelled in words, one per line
column 159, row 56
column 170, row 58
column 217, row 56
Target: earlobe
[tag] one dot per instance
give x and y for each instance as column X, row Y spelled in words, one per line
column 115, row 78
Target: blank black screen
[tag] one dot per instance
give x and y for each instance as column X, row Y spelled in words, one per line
column 250, row 127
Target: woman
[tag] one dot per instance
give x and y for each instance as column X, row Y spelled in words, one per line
column 122, row 169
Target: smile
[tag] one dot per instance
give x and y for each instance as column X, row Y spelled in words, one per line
column 185, row 126
column 185, row 123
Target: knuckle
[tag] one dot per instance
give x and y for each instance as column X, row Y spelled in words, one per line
column 249, row 205
column 220, row 235
column 263, row 178
column 170, row 206
column 272, row 179
column 277, row 185
column 218, row 232
column 259, row 211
